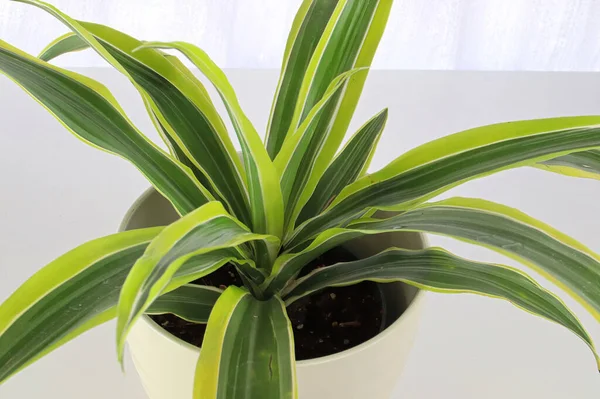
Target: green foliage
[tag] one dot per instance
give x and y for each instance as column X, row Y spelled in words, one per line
column 285, row 203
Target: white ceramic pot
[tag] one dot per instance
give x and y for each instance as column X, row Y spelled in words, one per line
column 368, row 371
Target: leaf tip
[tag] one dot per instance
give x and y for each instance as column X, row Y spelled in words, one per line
column 121, row 353
column 138, row 48
column 121, row 334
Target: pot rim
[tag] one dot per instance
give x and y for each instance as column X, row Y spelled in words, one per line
column 413, row 306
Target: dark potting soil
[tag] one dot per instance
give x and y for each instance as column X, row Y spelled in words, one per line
column 324, row 323
column 191, row 332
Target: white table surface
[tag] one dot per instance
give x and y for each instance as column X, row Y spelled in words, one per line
column 58, row 193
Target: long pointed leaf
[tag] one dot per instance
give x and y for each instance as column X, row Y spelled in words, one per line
column 67, row 43
column 307, row 28
column 558, row 257
column 437, row 166
column 70, row 295
column 349, row 41
column 196, row 266
column 248, row 350
column 207, row 229
column 348, row 33
column 288, row 265
column 188, row 125
column 437, row 270
column 89, row 111
column 178, row 154
column 577, row 164
column 181, row 104
column 189, row 302
column 191, row 124
column 354, row 88
column 584, row 164
column 298, row 157
column 265, row 195
column 348, row 165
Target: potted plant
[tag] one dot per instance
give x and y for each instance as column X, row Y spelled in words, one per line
column 256, row 251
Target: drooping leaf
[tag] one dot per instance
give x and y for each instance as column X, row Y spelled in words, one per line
column 189, row 302
column 70, row 295
column 437, row 166
column 288, row 265
column 195, row 267
column 179, row 155
column 437, row 270
column 266, row 203
column 191, row 127
column 180, row 103
column 67, row 43
column 558, row 257
column 577, row 164
column 89, row 111
column 207, row 229
column 351, row 163
column 248, row 350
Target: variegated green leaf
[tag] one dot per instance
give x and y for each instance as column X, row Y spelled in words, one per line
column 88, row 110
column 558, row 257
column 70, row 295
column 307, row 28
column 437, row 166
column 265, row 195
column 180, row 103
column 180, row 155
column 189, row 302
column 584, row 164
column 289, row 265
column 351, row 163
column 174, row 147
column 207, row 229
column 248, row 350
column 349, row 41
column 577, row 164
column 67, row 43
column 195, row 267
column 437, row 270
column 301, row 151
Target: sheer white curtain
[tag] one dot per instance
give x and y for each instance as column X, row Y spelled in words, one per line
column 551, row 35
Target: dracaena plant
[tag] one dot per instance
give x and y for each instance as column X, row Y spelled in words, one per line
column 286, row 202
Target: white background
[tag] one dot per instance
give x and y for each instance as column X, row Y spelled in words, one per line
column 542, row 35
column 57, row 193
